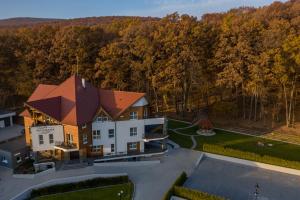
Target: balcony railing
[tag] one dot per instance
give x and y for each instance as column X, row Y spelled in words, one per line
column 65, row 146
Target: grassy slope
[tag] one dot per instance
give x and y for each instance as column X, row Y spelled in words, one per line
column 183, row 141
column 107, row 193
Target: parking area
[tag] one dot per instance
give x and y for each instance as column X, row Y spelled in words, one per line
column 236, row 182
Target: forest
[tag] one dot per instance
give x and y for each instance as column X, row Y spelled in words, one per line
column 244, row 63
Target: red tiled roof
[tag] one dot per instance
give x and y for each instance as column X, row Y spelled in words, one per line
column 116, row 102
column 41, row 91
column 71, row 103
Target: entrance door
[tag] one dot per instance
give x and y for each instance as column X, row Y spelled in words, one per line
column 74, row 155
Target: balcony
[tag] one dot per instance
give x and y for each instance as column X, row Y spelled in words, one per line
column 155, row 130
column 66, row 147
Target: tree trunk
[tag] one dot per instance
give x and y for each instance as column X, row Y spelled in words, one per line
column 251, row 107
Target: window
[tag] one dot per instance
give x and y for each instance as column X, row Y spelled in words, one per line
column 112, row 148
column 69, row 138
column 51, row 139
column 41, row 139
column 132, row 146
column 102, row 119
column 111, row 133
column 145, row 113
column 133, row 131
column 96, row 135
column 133, row 115
column 84, row 139
column 97, row 148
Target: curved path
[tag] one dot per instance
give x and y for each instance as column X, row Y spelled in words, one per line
column 191, row 136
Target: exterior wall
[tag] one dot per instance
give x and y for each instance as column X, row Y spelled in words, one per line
column 73, row 130
column 8, row 157
column 11, row 157
column 56, row 130
column 126, row 114
column 122, row 135
column 27, row 123
column 105, row 140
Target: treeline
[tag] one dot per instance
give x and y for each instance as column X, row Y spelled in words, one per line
column 243, row 63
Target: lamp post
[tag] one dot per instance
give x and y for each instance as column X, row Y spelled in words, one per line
column 120, row 194
column 256, row 193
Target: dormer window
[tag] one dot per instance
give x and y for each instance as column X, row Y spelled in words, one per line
column 102, row 119
column 133, row 115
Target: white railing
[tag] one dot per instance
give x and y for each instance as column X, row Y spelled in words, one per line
column 150, row 121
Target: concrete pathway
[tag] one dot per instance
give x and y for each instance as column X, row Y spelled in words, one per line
column 151, row 182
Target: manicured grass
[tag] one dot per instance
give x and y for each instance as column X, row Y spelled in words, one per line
column 172, row 124
column 250, row 144
column 183, row 141
column 107, row 193
column 190, row 131
column 243, row 146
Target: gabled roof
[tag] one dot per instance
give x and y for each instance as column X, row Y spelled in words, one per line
column 70, row 102
column 116, row 102
column 74, row 104
column 49, row 106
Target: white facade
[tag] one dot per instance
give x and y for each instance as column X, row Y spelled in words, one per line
column 44, row 132
column 122, row 134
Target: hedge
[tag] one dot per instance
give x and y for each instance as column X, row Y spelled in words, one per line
column 191, row 194
column 91, row 183
column 178, row 182
column 250, row 156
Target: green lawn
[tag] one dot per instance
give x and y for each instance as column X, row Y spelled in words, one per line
column 107, row 193
column 248, row 143
column 183, row 141
column 228, row 141
column 172, row 124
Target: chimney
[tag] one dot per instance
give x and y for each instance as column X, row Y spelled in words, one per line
column 83, row 82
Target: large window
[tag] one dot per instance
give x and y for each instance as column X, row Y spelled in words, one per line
column 84, row 139
column 41, row 139
column 133, row 131
column 69, row 138
column 133, row 115
column 97, row 148
column 111, row 133
column 96, row 135
column 132, row 146
column 51, row 139
column 112, row 148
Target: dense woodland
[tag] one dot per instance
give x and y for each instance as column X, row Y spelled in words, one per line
column 244, row 63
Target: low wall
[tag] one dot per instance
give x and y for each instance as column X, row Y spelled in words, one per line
column 127, row 164
column 255, row 164
column 32, row 176
column 26, row 193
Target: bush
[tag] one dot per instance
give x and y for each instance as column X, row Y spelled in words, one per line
column 178, row 182
column 250, row 156
column 194, row 194
column 92, row 183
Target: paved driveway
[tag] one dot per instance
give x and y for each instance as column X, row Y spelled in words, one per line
column 237, row 182
column 151, row 181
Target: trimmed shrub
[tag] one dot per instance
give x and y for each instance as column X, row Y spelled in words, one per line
column 91, row 183
column 191, row 194
column 250, row 156
column 178, row 182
